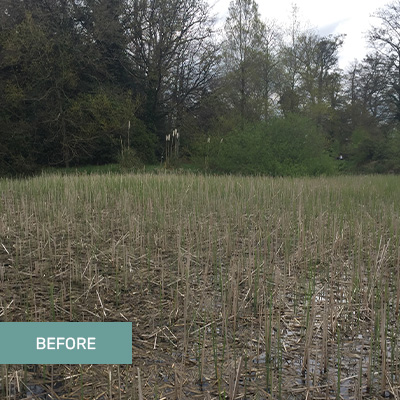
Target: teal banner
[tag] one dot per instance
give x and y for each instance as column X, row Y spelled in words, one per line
column 65, row 343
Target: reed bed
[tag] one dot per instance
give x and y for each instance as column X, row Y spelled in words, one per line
column 237, row 287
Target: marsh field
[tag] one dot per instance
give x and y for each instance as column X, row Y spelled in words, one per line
column 237, row 287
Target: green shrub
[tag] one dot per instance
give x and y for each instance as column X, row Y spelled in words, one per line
column 290, row 146
column 129, row 160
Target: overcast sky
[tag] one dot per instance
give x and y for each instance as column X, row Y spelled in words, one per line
column 351, row 17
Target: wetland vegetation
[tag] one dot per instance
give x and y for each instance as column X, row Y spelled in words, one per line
column 237, row 287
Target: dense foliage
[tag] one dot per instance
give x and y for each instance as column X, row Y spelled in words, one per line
column 283, row 146
column 90, row 82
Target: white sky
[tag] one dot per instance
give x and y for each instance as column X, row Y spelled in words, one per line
column 351, row 17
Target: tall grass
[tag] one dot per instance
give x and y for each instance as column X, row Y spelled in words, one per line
column 235, row 286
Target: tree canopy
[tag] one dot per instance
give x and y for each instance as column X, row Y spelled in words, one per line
column 84, row 81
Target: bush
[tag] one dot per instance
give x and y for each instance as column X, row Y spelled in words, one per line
column 290, row 146
column 129, row 160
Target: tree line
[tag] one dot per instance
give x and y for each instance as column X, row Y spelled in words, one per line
column 97, row 81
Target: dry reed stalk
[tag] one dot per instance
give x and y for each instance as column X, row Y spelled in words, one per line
column 308, row 342
column 185, row 308
column 314, row 384
column 358, row 395
column 398, row 281
column 393, row 391
column 383, row 345
column 119, row 382
column 332, row 306
column 5, row 381
column 233, row 293
column 178, row 383
column 203, row 352
column 101, row 303
column 325, row 336
column 234, row 381
column 110, row 382
column 140, row 390
column 370, row 355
